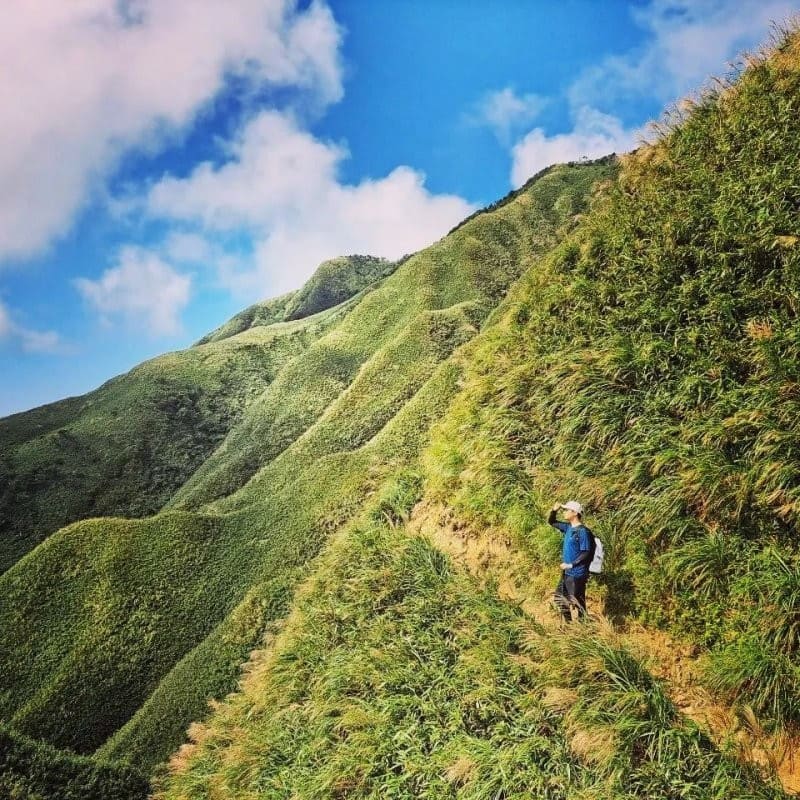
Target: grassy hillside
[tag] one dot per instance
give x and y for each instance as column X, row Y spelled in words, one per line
column 647, row 365
column 258, row 315
column 125, row 448
column 398, row 676
column 118, row 630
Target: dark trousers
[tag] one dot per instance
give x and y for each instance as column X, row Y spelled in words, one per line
column 571, row 592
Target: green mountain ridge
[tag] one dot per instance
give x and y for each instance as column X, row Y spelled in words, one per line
column 622, row 331
column 334, row 282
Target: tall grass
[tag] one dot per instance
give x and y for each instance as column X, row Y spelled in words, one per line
column 648, row 365
column 398, row 676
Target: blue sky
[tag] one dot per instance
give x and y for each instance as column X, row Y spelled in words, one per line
column 165, row 163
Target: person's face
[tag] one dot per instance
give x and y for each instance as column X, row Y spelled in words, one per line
column 570, row 516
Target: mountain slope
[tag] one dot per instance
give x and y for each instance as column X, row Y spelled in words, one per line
column 647, row 365
column 667, row 394
column 126, row 447
column 398, row 676
column 107, row 622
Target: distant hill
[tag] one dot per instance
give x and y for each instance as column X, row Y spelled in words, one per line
column 333, row 282
column 124, row 449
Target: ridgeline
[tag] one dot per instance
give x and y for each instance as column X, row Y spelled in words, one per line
column 298, row 493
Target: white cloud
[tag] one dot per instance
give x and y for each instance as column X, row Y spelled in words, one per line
column 31, row 341
column 142, row 289
column 504, row 111
column 275, row 171
column 84, row 81
column 188, row 248
column 594, row 134
column 687, row 42
column 280, row 187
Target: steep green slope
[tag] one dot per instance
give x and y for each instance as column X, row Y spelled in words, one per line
column 125, row 448
column 475, row 263
column 108, row 621
column 649, row 367
column 396, row 676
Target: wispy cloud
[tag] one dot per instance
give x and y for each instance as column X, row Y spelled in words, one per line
column 141, row 290
column 686, row 41
column 28, row 339
column 280, row 189
column 82, row 83
column 505, row 112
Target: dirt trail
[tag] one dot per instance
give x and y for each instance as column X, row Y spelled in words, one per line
column 489, row 554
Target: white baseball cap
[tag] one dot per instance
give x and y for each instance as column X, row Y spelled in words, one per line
column 574, row 505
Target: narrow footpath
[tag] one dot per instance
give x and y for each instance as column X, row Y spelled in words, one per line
column 489, row 555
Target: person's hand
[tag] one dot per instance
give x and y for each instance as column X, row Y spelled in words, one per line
column 557, row 507
column 566, row 566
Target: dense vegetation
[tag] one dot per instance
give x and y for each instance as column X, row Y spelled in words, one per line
column 333, row 282
column 397, row 676
column 117, row 631
column 649, row 365
column 32, row 769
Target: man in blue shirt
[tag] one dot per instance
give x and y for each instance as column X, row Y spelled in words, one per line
column 576, row 555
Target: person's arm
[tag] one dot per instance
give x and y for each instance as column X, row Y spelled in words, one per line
column 551, row 520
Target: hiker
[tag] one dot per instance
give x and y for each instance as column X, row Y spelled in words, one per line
column 576, row 555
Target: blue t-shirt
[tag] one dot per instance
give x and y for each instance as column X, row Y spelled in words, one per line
column 576, row 539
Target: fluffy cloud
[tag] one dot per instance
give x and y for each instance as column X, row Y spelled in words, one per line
column 688, row 41
column 141, row 289
column 31, row 341
column 280, row 188
column 84, row 81
column 594, row 134
column 504, row 111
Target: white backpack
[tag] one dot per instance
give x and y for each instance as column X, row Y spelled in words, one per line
column 596, row 567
